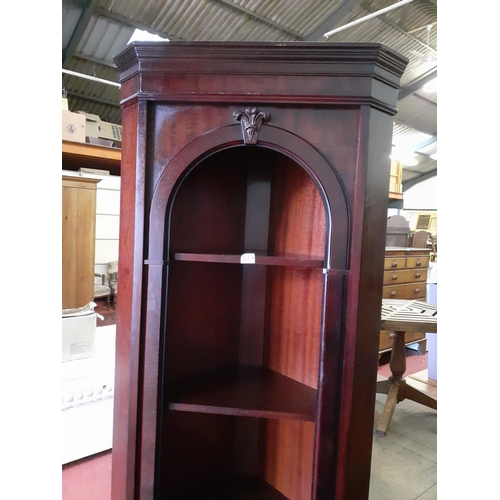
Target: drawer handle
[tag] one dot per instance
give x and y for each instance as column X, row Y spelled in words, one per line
column 394, row 264
column 419, row 263
column 417, row 290
column 417, row 275
column 393, row 293
column 394, row 277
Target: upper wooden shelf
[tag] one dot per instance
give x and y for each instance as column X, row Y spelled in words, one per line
column 76, row 155
column 259, row 259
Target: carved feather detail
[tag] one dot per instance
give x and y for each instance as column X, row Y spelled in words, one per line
column 251, row 121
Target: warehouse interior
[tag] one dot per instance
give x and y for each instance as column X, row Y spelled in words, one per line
column 94, row 32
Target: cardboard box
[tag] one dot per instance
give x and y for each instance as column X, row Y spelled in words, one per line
column 78, row 336
column 73, row 126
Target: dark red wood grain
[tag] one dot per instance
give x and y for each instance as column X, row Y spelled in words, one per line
column 242, row 488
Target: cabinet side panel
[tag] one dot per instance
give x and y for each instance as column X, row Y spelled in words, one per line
column 69, row 263
column 125, row 437
column 78, row 230
column 364, row 301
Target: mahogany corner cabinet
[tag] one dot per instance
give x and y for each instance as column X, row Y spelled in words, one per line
column 255, row 184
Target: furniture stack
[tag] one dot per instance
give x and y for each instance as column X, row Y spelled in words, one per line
column 405, row 277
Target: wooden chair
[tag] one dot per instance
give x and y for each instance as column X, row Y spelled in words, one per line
column 434, row 247
column 420, row 239
column 113, row 280
column 101, row 290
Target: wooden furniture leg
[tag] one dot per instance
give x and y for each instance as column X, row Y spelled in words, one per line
column 396, row 387
column 393, row 386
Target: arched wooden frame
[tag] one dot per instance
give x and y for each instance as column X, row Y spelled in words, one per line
column 334, row 196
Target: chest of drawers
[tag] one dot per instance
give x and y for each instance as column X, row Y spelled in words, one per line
column 405, row 277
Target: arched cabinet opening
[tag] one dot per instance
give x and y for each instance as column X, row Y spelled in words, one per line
column 247, row 236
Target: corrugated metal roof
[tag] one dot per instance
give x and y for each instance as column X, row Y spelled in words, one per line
column 111, row 23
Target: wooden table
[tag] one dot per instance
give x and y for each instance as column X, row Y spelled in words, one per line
column 399, row 317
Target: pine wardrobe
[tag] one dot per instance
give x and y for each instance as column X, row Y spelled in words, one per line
column 255, row 180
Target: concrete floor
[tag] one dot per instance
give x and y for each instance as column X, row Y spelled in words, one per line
column 404, row 462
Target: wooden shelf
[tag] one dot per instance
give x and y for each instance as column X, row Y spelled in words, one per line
column 264, row 260
column 395, row 196
column 76, row 155
column 241, row 488
column 423, row 383
column 250, row 391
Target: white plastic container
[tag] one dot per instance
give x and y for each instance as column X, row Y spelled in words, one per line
column 78, row 332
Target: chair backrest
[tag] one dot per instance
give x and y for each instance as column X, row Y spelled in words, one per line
column 113, row 267
column 420, row 239
column 113, row 273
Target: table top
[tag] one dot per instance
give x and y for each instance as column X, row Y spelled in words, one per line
column 408, row 316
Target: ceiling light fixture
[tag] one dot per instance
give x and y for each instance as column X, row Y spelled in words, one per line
column 427, row 58
column 88, row 77
column 407, row 158
column 430, row 86
column 369, row 16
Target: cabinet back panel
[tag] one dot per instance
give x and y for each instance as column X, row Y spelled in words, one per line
column 293, row 323
column 297, row 220
column 290, row 457
column 196, row 450
column 294, row 312
column 203, row 317
column 246, row 198
column 208, row 213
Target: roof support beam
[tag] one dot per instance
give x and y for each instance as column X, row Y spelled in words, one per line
column 427, row 142
column 132, row 24
column 408, row 184
column 95, row 60
column 251, row 13
column 406, row 91
column 334, row 20
column 88, row 10
column 108, row 102
column 413, row 127
column 399, row 28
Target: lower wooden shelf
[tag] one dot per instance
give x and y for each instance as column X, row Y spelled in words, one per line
column 250, row 391
column 423, row 383
column 241, row 488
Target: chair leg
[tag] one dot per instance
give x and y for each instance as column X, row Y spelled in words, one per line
column 108, row 301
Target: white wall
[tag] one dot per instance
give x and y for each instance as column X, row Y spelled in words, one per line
column 421, row 196
column 107, row 218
